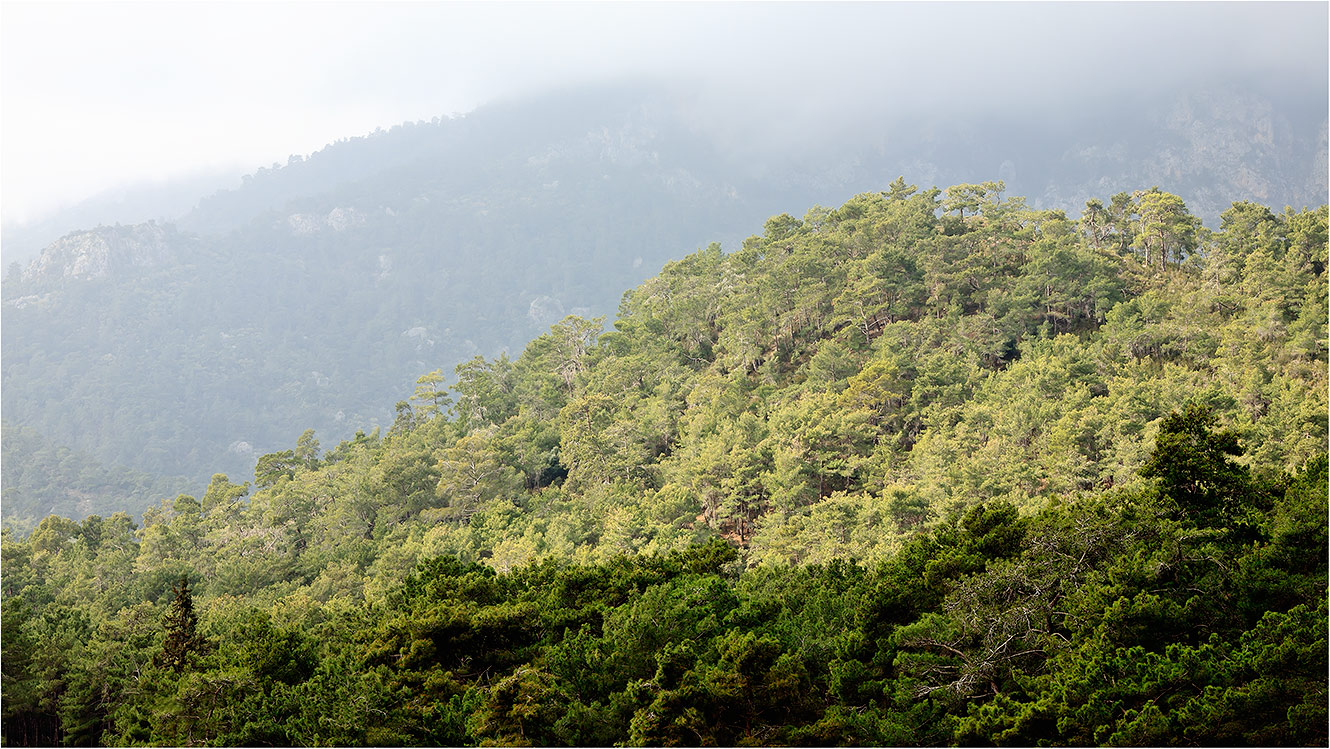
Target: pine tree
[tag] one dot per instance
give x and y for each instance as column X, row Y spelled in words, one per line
column 181, row 624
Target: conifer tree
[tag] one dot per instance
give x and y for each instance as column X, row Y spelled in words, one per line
column 181, row 624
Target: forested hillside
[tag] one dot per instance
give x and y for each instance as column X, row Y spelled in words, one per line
column 931, row 467
column 318, row 289
column 43, row 479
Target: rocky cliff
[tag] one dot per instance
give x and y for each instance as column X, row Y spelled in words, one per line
column 105, row 250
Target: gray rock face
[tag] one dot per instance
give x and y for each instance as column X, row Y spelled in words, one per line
column 338, row 219
column 102, row 251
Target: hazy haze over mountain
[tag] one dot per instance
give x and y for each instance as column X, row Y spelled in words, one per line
column 107, row 94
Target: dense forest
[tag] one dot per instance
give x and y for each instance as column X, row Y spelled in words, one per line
column 314, row 293
column 933, row 467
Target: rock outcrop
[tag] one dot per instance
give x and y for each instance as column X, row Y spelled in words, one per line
column 103, row 251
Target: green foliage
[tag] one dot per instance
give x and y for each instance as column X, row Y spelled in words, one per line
column 886, row 475
column 183, row 641
column 1194, row 465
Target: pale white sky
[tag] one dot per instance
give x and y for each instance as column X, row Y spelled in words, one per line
column 99, row 94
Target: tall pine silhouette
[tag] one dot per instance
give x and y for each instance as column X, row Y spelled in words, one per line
column 181, row 624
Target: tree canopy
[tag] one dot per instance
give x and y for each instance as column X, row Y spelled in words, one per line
column 886, row 474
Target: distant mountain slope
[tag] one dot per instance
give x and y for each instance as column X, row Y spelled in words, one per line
column 160, row 201
column 315, row 294
column 324, row 312
column 41, row 479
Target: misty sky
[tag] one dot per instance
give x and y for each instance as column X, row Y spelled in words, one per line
column 101, row 94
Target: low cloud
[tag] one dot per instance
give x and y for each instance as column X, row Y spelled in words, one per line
column 117, row 92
